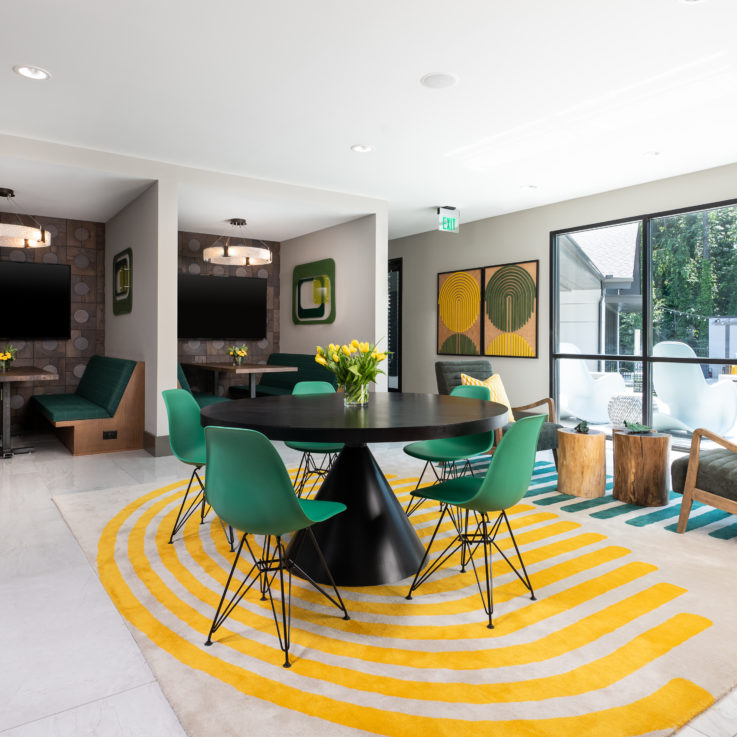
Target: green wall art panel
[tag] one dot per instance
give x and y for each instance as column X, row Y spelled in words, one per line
column 123, row 282
column 313, row 292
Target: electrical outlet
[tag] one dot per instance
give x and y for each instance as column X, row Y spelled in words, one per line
column 109, row 434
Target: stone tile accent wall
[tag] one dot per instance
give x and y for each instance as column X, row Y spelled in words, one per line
column 191, row 246
column 82, row 246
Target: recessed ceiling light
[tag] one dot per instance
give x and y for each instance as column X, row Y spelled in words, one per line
column 439, row 80
column 30, row 72
column 652, row 153
column 529, row 186
column 361, row 148
column 690, row 2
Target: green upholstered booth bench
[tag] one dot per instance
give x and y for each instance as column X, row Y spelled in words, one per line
column 283, row 383
column 202, row 399
column 106, row 411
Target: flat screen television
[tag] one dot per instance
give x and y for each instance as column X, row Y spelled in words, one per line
column 218, row 307
column 36, row 301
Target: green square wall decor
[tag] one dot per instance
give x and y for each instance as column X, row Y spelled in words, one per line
column 123, row 282
column 313, row 292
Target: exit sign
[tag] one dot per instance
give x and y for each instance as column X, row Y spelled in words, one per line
column 449, row 219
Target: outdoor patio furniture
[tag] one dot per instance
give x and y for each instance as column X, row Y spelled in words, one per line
column 583, row 396
column 690, row 402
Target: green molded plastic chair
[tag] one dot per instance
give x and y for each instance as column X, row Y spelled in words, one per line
column 250, row 489
column 449, row 452
column 309, row 467
column 504, row 484
column 187, row 440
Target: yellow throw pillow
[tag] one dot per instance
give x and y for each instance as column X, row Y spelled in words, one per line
column 496, row 389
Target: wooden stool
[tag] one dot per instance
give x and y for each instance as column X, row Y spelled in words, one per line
column 641, row 467
column 581, row 463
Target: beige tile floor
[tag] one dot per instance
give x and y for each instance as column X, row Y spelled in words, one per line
column 69, row 666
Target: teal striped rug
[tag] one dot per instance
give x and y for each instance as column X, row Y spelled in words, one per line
column 544, row 492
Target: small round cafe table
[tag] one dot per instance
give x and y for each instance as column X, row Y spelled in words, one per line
column 372, row 542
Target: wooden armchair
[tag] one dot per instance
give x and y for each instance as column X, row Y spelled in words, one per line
column 448, row 375
column 708, row 476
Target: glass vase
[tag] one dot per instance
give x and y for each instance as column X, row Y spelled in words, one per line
column 237, row 360
column 356, row 395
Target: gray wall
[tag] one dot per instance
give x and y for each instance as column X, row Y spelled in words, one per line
column 522, row 236
column 360, row 286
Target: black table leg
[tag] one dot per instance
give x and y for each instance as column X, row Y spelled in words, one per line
column 252, row 385
column 372, row 542
column 5, row 401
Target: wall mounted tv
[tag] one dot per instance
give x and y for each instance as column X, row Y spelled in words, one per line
column 218, row 307
column 37, row 301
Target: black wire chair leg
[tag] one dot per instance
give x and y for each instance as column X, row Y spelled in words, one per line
column 418, row 580
column 222, row 613
column 286, row 604
column 488, row 573
column 182, row 515
column 524, row 578
column 416, row 501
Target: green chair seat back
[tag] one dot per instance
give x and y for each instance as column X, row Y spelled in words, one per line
column 483, row 440
column 313, row 387
column 248, row 485
column 182, row 379
column 186, row 434
column 510, row 470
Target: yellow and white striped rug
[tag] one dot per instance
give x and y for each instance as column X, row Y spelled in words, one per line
column 632, row 633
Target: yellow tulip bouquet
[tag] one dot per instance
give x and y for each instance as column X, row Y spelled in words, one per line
column 7, row 356
column 355, row 366
column 237, row 353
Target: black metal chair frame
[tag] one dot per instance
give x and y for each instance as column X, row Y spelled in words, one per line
column 468, row 543
column 201, row 502
column 308, row 468
column 271, row 562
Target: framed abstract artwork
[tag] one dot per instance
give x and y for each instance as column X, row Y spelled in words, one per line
column 313, row 292
column 459, row 313
column 510, row 309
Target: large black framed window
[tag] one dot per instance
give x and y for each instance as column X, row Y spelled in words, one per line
column 644, row 320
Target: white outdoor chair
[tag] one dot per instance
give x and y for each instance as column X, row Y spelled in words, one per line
column 686, row 400
column 583, row 396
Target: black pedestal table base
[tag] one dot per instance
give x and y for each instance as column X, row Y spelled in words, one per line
column 372, row 542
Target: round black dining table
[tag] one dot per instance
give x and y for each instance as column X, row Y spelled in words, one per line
column 372, row 542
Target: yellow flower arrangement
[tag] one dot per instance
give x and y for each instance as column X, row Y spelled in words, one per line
column 355, row 365
column 237, row 353
column 7, row 357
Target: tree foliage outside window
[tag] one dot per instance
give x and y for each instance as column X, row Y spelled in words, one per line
column 694, row 274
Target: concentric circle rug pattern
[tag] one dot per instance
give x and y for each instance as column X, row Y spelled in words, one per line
column 615, row 645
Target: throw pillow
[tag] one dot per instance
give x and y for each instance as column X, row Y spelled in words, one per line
column 496, row 389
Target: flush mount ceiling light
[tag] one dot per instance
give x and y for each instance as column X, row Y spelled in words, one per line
column 439, row 80
column 228, row 255
column 361, row 148
column 21, row 235
column 30, row 72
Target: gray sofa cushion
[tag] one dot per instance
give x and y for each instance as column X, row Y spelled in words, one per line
column 717, row 473
column 448, row 373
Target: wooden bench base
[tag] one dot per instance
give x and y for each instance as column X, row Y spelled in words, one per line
column 85, row 437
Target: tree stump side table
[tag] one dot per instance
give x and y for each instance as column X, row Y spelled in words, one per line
column 641, row 467
column 581, row 463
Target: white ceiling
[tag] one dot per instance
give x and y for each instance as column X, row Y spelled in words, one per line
column 571, row 96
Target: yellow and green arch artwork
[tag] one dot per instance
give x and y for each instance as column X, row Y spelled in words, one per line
column 459, row 313
column 510, row 301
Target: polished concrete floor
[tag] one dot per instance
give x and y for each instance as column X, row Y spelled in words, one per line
column 69, row 666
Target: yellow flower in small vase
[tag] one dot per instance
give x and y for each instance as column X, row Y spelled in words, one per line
column 237, row 353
